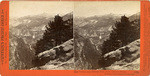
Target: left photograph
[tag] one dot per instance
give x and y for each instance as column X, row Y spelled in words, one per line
column 41, row 35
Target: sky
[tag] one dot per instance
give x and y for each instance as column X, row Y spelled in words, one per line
column 79, row 8
column 86, row 9
column 25, row 8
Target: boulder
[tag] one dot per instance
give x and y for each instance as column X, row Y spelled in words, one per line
column 126, row 54
column 61, row 53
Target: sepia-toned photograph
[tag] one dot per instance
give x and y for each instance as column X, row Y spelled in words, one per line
column 74, row 35
column 107, row 35
column 41, row 35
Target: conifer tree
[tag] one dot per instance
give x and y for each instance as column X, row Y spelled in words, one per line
column 122, row 34
column 57, row 32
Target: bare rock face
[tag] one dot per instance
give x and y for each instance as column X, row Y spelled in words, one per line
column 20, row 55
column 127, row 55
column 122, row 65
column 59, row 57
column 86, row 54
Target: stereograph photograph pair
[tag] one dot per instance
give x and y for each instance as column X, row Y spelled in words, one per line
column 80, row 35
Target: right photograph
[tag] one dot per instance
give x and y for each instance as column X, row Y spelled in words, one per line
column 107, row 35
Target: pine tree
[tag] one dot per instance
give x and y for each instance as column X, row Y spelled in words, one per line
column 122, row 34
column 57, row 32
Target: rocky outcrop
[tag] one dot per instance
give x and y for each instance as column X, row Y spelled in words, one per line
column 86, row 54
column 127, row 57
column 59, row 57
column 122, row 65
column 20, row 54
